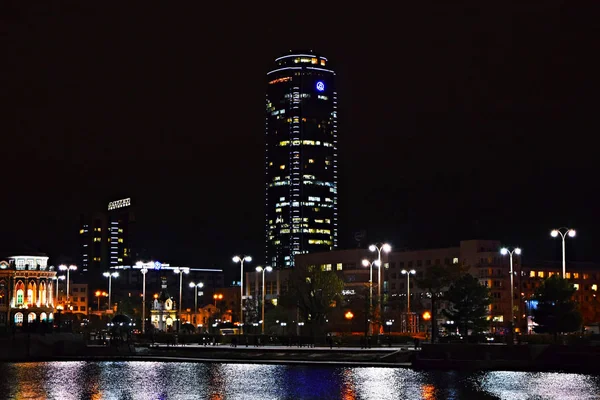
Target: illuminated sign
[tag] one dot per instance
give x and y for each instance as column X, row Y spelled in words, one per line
column 348, row 292
column 285, row 79
column 320, row 86
column 119, row 204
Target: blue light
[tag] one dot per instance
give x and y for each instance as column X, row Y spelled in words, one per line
column 157, row 265
column 320, row 86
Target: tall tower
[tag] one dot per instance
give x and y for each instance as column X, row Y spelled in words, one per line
column 301, row 158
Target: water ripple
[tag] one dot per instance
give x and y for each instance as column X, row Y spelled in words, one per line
column 160, row 380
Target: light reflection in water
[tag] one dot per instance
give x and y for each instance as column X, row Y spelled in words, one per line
column 157, row 380
column 348, row 390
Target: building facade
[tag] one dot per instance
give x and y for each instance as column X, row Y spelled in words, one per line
column 480, row 258
column 79, row 298
column 163, row 314
column 26, row 290
column 300, row 158
column 106, row 238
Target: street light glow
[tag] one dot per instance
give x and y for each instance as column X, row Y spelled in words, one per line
column 572, row 232
column 387, row 248
column 412, row 271
column 365, row 263
column 372, row 247
column 504, row 251
column 554, row 233
column 517, row 251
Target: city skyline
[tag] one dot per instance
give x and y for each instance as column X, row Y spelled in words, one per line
column 476, row 133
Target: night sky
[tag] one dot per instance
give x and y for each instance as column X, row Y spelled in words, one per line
column 456, row 122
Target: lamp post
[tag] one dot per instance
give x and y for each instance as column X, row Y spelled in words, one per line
column 58, row 278
column 68, row 269
column 238, row 259
column 180, row 271
column 98, row 295
column 408, row 316
column 110, row 275
column 504, row 251
column 144, row 271
column 563, row 232
column 196, row 286
column 367, row 263
column 386, row 248
column 217, row 296
column 349, row 315
column 262, row 311
column 408, row 274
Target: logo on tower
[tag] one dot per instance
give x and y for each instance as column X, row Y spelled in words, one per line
column 320, row 86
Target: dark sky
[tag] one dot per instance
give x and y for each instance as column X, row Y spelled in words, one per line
column 457, row 122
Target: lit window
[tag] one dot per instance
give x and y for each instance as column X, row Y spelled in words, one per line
column 455, row 260
column 311, row 161
column 568, row 275
column 594, row 287
column 586, row 276
column 532, row 274
column 282, row 167
column 575, row 275
column 270, row 163
column 339, row 266
column 540, row 274
column 81, row 231
column 323, row 62
column 576, row 286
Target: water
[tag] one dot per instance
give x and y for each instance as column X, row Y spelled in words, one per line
column 159, row 380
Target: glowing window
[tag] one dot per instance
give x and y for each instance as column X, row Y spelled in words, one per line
column 20, row 295
column 282, row 167
column 455, row 260
column 586, row 276
column 339, row 266
column 594, row 287
column 576, row 286
column 532, row 274
column 568, row 275
column 18, row 318
column 311, row 161
column 540, row 274
column 323, row 62
column 575, row 275
column 314, row 60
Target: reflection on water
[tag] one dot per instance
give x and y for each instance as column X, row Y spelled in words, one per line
column 157, row 380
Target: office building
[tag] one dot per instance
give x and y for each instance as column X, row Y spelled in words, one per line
column 300, row 158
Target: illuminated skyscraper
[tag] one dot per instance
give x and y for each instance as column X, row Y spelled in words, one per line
column 301, row 158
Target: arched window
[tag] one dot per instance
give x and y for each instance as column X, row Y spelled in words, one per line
column 19, row 319
column 43, row 316
column 168, row 304
column 31, row 317
column 31, row 293
column 42, row 294
column 51, row 317
column 20, row 292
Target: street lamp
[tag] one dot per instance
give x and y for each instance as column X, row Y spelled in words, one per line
column 261, row 269
column 180, row 271
column 144, row 271
column 217, row 296
column 68, row 269
column 563, row 232
column 98, row 295
column 196, row 286
column 408, row 274
column 504, row 251
column 238, row 259
column 386, row 248
column 367, row 263
column 110, row 275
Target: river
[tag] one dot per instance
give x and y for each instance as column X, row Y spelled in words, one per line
column 174, row 380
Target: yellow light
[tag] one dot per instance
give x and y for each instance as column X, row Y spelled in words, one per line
column 349, row 315
column 426, row 316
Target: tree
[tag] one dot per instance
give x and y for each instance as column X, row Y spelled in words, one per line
column 469, row 304
column 314, row 291
column 556, row 312
column 435, row 280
